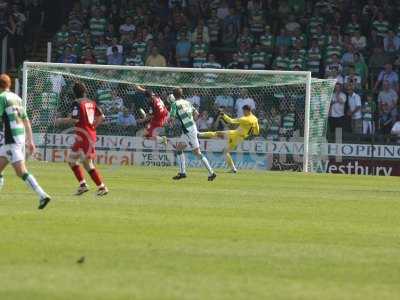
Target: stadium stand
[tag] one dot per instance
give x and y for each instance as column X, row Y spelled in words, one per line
column 357, row 42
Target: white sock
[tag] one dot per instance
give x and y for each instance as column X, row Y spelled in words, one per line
column 207, row 164
column 33, row 184
column 1, row 181
column 180, row 157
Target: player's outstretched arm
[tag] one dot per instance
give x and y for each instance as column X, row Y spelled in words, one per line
column 66, row 121
column 229, row 120
column 139, row 88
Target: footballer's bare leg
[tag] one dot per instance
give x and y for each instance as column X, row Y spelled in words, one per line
column 204, row 160
column 73, row 162
column 3, row 165
column 181, row 161
column 102, row 190
column 29, row 179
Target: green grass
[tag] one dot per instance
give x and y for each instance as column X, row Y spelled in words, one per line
column 254, row 235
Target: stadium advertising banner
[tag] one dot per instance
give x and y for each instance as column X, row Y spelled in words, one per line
column 363, row 159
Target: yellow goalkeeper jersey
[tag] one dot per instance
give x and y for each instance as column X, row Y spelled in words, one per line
column 246, row 125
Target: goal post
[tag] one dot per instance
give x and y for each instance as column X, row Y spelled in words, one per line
column 291, row 105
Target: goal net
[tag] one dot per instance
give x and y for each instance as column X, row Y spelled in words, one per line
column 292, row 109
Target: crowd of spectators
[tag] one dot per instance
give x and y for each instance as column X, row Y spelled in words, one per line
column 355, row 42
column 22, row 22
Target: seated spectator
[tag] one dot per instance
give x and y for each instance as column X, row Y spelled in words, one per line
column 140, row 44
column 110, row 33
column 391, row 42
column 292, row 25
column 97, row 24
column 358, row 41
column 114, row 43
column 267, row 41
column 128, row 27
column 315, row 21
column 354, row 26
column 246, row 37
column 354, row 79
column 348, row 56
column 283, row 39
column 204, row 122
column 147, row 35
column 100, row 50
column 201, row 33
column 211, row 63
column 387, row 100
column 256, row 17
column 381, row 24
column 61, row 39
column 336, row 117
column 354, row 111
column 235, row 62
column 182, row 50
column 334, row 65
column 68, row 57
column 230, row 29
column 314, row 57
column 389, row 75
column 74, row 44
column 244, row 99
column 297, row 61
column 155, row 59
column 333, row 48
column 214, row 26
column 244, row 55
column 115, row 58
column 259, row 59
column 126, row 118
column 281, row 61
column 88, row 57
column 199, row 53
column 133, row 58
column 298, row 37
column 320, row 36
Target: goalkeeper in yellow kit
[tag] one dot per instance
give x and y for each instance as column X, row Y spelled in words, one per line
column 246, row 126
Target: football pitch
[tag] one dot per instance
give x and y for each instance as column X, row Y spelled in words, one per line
column 253, row 235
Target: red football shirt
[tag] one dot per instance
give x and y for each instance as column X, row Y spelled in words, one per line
column 86, row 111
column 160, row 112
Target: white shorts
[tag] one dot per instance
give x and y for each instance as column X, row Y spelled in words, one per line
column 12, row 152
column 190, row 139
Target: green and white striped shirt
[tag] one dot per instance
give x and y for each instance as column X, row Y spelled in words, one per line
column 381, row 27
column 183, row 110
column 97, row 26
column 12, row 114
column 314, row 60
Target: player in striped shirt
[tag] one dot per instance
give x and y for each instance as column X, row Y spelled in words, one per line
column 184, row 112
column 16, row 125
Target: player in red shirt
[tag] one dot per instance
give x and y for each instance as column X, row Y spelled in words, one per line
column 85, row 116
column 157, row 117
